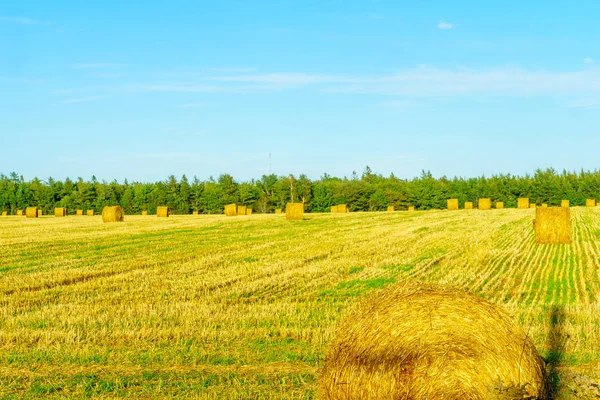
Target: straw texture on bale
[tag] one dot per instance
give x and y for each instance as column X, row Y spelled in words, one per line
column 113, row 214
column 552, row 225
column 533, row 205
column 241, row 210
column 31, row 212
column 523, row 202
column 590, row 203
column 162, row 211
column 248, row 211
column 144, row 212
column 411, row 208
column 60, row 212
column 391, row 208
column 342, row 208
column 19, row 213
column 40, row 212
column 194, row 212
column 424, row 341
column 231, row 210
column 499, row 204
column 4, row 213
column 333, row 209
column 452, row 204
column 90, row 213
column 468, row 205
column 278, row 211
column 484, row 204
column 565, row 203
column 294, row 211
column 79, row 212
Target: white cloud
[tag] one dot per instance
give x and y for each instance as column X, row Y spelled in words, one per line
column 17, row 20
column 445, row 25
column 83, row 99
column 97, row 65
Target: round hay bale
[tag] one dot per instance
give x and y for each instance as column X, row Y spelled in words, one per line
column 113, row 214
column 31, row 212
column 425, row 341
column 162, row 211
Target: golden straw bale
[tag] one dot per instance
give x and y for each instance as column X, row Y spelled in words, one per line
column 552, row 225
column 484, row 204
column 499, row 204
column 248, row 211
column 342, row 208
column 391, row 208
column 452, row 204
column 231, row 210
column 544, row 205
column 113, row 214
column 78, row 212
column 194, row 212
column 90, row 213
column 162, row 211
column 278, row 211
column 565, row 203
column 294, row 211
column 334, row 209
column 4, row 213
column 20, row 213
column 424, row 341
column 145, row 212
column 590, row 203
column 40, row 212
column 241, row 210
column 411, row 208
column 533, row 205
column 522, row 202
column 31, row 212
column 60, row 212
column 468, row 205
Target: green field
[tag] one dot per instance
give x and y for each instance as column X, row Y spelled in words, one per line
column 244, row 307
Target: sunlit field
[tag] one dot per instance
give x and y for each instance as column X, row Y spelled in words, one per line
column 244, row 307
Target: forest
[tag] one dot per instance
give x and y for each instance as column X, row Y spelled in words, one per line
column 368, row 191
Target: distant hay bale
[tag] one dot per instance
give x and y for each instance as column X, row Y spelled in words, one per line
column 60, row 212
column 40, row 212
column 113, row 214
column 544, row 205
column 144, row 212
column 241, row 210
column 231, row 210
column 278, row 211
column 411, row 208
column 425, row 341
column 533, row 205
column 20, row 213
column 294, row 211
column 90, row 213
column 468, row 205
column 484, row 204
column 4, row 213
column 342, row 208
column 523, row 202
column 565, row 203
column 162, row 211
column 590, row 203
column 248, row 211
column 452, row 204
column 391, row 208
column 79, row 212
column 552, row 225
column 31, row 212
column 334, row 209
column 499, row 204
column 194, row 212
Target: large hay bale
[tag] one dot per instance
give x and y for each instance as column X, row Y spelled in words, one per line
column 4, row 213
column 391, row 208
column 90, row 213
column 248, row 211
column 294, row 211
column 552, row 225
column 31, row 212
column 278, row 211
column 113, row 214
column 241, row 210
column 162, row 211
column 523, row 202
column 20, row 213
column 565, row 203
column 334, row 209
column 79, row 212
column 342, row 208
column 231, row 210
column 40, row 212
column 411, row 208
column 590, row 203
column 484, row 204
column 468, row 205
column 544, row 205
column 60, row 212
column 499, row 204
column 145, row 212
column 425, row 341
column 452, row 204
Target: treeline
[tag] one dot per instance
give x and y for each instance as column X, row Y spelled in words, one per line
column 367, row 192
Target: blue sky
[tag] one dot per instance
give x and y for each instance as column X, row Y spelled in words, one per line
column 143, row 91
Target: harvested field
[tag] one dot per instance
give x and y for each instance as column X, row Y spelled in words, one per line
column 217, row 307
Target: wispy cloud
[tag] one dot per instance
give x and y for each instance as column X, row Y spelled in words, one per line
column 585, row 104
column 97, row 65
column 445, row 25
column 20, row 20
column 83, row 99
column 589, row 61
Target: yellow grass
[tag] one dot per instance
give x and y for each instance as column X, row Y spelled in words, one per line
column 552, row 225
column 214, row 307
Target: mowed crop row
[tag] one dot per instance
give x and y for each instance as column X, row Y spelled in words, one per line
column 217, row 307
